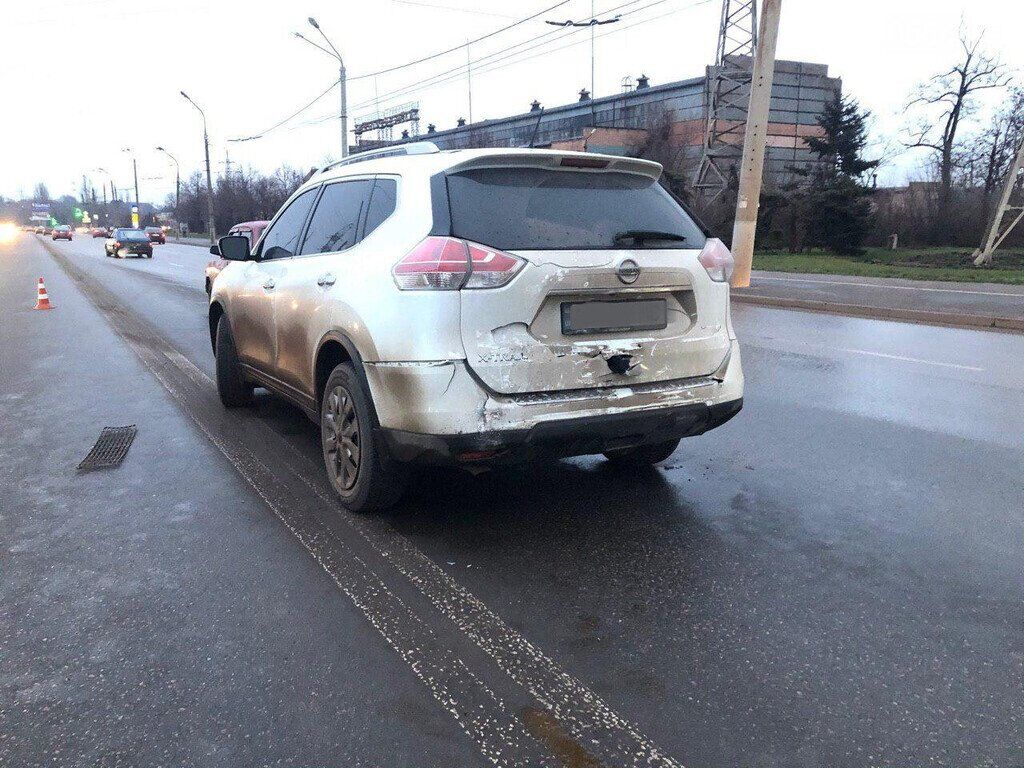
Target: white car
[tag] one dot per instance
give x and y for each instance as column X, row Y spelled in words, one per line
column 480, row 306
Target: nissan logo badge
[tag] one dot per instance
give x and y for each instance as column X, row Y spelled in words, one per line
column 628, row 271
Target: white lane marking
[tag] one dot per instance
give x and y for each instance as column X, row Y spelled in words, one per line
column 577, row 708
column 853, row 351
column 893, row 287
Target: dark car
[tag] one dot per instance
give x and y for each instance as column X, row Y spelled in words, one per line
column 63, row 232
column 248, row 229
column 129, row 242
column 156, row 235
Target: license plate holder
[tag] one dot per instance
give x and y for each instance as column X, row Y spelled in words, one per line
column 613, row 316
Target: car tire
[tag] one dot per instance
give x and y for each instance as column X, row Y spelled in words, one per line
column 642, row 455
column 374, row 480
column 232, row 387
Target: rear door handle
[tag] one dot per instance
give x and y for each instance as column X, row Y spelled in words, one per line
column 326, row 280
column 269, row 284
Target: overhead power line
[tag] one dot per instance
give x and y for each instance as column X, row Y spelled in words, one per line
column 489, row 63
column 293, row 115
column 461, row 46
column 302, row 109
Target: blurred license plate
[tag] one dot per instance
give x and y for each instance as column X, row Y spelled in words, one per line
column 613, row 316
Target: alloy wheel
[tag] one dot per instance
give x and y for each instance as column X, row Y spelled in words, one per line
column 341, row 437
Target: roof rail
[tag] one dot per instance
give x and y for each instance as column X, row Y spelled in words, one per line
column 413, row 148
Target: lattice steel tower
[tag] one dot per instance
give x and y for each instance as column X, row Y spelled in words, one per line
column 727, row 92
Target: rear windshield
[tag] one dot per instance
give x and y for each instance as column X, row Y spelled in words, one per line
column 131, row 234
column 538, row 209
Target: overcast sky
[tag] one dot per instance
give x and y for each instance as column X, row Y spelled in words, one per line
column 83, row 79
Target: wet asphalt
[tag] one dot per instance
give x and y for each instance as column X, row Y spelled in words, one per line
column 831, row 579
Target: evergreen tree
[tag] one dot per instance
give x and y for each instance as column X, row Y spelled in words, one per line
column 838, row 210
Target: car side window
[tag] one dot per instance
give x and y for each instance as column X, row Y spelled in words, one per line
column 337, row 218
column 383, row 201
column 282, row 239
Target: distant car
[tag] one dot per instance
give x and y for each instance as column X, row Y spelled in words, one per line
column 63, row 232
column 156, row 235
column 127, row 242
column 249, row 229
column 27, row 228
column 39, row 230
column 101, row 232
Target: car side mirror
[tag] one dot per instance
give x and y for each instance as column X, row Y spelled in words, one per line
column 233, row 248
column 215, row 250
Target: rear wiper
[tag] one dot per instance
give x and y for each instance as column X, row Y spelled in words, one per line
column 640, row 235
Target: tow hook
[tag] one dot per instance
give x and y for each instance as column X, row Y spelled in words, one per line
column 620, row 364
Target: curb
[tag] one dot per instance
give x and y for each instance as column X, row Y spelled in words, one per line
column 955, row 319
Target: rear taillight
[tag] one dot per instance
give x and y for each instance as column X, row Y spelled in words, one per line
column 450, row 264
column 717, row 260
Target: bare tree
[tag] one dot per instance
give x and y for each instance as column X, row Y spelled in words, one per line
column 948, row 99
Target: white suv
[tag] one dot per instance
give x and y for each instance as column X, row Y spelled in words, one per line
column 480, row 306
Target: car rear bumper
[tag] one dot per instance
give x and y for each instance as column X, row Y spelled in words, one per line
column 437, row 411
column 563, row 437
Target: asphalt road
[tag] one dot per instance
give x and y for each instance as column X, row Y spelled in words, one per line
column 831, row 579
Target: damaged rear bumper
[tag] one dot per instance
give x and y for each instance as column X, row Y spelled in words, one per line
column 560, row 438
column 439, row 412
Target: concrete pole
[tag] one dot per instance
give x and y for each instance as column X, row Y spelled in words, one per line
column 135, row 172
column 209, row 185
column 752, row 162
column 344, row 110
column 993, row 238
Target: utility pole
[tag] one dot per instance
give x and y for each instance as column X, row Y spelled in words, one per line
column 752, row 161
column 209, row 175
column 135, row 172
column 469, row 81
column 177, row 178
column 343, row 112
column 997, row 229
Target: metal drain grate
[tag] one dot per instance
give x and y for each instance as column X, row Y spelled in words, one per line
column 110, row 449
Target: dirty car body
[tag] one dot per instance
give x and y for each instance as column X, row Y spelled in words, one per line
column 497, row 305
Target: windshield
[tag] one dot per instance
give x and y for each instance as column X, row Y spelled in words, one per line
column 131, row 234
column 538, row 209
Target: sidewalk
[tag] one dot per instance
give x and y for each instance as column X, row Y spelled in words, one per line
column 974, row 305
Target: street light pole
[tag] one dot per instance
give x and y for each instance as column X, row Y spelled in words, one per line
column 209, row 175
column 177, row 178
column 343, row 113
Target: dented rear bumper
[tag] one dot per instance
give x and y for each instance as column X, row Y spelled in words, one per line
column 435, row 411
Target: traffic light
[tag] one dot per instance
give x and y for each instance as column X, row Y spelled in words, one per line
column 77, row 213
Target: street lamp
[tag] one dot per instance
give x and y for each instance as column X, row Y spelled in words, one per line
column 177, row 178
column 113, row 194
column 209, row 176
column 334, row 53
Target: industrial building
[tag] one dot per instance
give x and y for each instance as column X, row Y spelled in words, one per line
column 677, row 112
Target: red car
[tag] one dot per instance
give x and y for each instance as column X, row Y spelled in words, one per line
column 249, row 229
column 156, row 235
column 100, row 232
column 63, row 232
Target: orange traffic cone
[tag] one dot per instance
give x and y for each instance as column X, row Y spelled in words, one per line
column 43, row 301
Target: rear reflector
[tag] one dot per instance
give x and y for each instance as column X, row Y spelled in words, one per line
column 717, row 260
column 450, row 264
